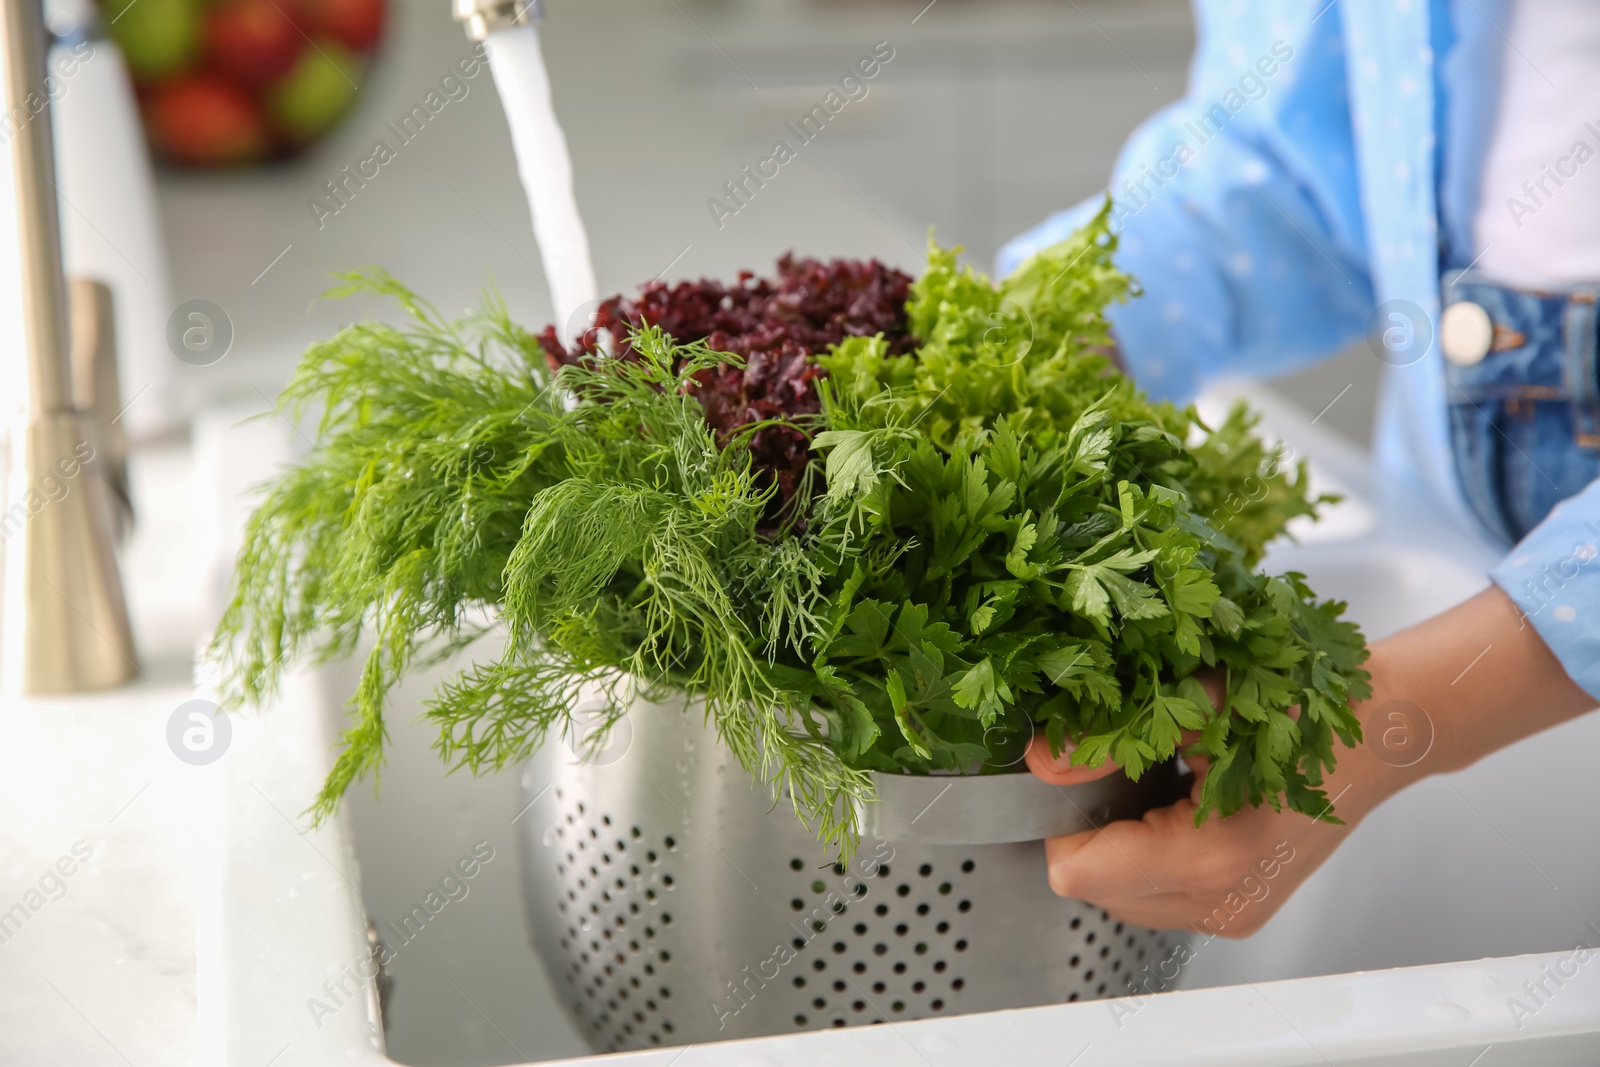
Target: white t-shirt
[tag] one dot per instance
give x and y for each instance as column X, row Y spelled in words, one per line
column 1538, row 218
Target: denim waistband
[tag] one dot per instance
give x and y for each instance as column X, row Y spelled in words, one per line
column 1525, row 420
column 1544, row 349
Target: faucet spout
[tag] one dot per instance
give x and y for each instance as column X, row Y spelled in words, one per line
column 483, row 17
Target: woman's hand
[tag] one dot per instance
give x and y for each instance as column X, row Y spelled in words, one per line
column 1229, row 876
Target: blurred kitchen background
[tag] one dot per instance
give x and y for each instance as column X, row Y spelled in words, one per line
column 989, row 116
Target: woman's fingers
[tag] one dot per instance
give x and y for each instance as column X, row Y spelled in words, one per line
column 1089, row 866
column 1158, row 871
column 1059, row 771
column 1228, row 877
column 1121, row 861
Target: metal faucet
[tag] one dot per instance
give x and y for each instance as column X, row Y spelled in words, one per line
column 63, row 620
column 483, row 17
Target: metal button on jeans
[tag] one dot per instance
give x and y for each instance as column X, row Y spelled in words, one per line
column 1465, row 333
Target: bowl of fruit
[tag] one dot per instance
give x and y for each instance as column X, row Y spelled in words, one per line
column 233, row 82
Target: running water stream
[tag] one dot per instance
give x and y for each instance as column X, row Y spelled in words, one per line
column 546, row 171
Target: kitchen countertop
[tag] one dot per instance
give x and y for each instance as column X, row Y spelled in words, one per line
column 103, row 968
column 100, row 830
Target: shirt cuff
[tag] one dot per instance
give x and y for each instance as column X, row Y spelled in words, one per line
column 1553, row 576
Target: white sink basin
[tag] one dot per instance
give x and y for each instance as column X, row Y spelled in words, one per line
column 1454, row 870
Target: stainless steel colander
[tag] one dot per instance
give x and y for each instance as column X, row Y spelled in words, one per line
column 672, row 904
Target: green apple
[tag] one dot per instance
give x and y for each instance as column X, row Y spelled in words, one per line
column 316, row 91
column 158, row 38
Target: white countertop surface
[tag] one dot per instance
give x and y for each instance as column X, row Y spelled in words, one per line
column 103, row 972
column 101, row 968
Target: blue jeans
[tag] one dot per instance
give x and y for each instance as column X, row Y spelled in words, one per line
column 1525, row 422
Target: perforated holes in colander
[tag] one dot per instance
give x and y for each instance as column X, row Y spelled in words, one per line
column 1153, row 966
column 888, row 948
column 614, row 903
column 1109, row 957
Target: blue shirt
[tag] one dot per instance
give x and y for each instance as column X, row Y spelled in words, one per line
column 1319, row 172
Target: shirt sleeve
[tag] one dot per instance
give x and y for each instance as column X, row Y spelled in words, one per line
column 1238, row 208
column 1553, row 576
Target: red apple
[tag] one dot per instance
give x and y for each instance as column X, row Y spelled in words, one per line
column 356, row 24
column 203, row 120
column 254, row 41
